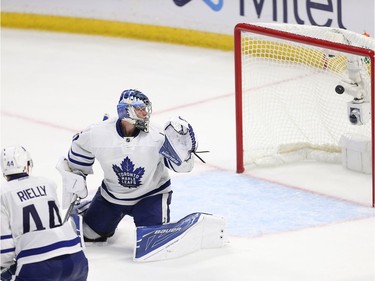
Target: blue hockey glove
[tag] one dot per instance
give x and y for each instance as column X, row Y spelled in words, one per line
column 7, row 273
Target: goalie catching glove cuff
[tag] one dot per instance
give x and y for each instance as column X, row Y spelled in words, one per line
column 179, row 141
column 74, row 182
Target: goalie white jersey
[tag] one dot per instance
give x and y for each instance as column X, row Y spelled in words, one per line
column 133, row 168
column 31, row 225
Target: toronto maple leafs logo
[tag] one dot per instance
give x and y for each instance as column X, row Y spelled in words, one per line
column 127, row 175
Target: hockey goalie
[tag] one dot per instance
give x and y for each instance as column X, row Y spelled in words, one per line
column 135, row 156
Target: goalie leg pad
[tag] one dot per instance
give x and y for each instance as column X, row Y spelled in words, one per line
column 193, row 232
column 81, row 207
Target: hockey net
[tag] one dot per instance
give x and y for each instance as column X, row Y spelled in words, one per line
column 287, row 105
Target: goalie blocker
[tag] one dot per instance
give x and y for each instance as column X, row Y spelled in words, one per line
column 194, row 232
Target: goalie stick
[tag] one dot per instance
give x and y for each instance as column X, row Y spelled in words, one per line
column 75, row 201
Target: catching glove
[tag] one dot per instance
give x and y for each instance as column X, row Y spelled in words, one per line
column 179, row 141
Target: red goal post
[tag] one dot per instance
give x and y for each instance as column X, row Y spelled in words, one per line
column 311, row 52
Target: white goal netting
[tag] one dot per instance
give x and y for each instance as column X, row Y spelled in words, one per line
column 290, row 109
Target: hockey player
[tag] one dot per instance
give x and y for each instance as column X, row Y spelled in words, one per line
column 35, row 243
column 135, row 157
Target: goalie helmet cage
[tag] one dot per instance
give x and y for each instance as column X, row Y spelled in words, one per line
column 269, row 56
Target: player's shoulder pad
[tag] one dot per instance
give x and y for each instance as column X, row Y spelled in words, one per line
column 46, row 180
column 106, row 123
column 101, row 128
column 156, row 132
column 6, row 187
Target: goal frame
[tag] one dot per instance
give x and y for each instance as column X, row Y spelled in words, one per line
column 244, row 27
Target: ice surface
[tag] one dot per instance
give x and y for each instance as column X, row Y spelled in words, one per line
column 280, row 226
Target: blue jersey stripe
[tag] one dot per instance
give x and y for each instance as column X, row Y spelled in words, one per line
column 49, row 248
column 162, row 187
column 4, row 251
column 79, row 163
column 82, row 156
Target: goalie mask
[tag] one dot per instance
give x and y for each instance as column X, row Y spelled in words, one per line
column 15, row 160
column 135, row 108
